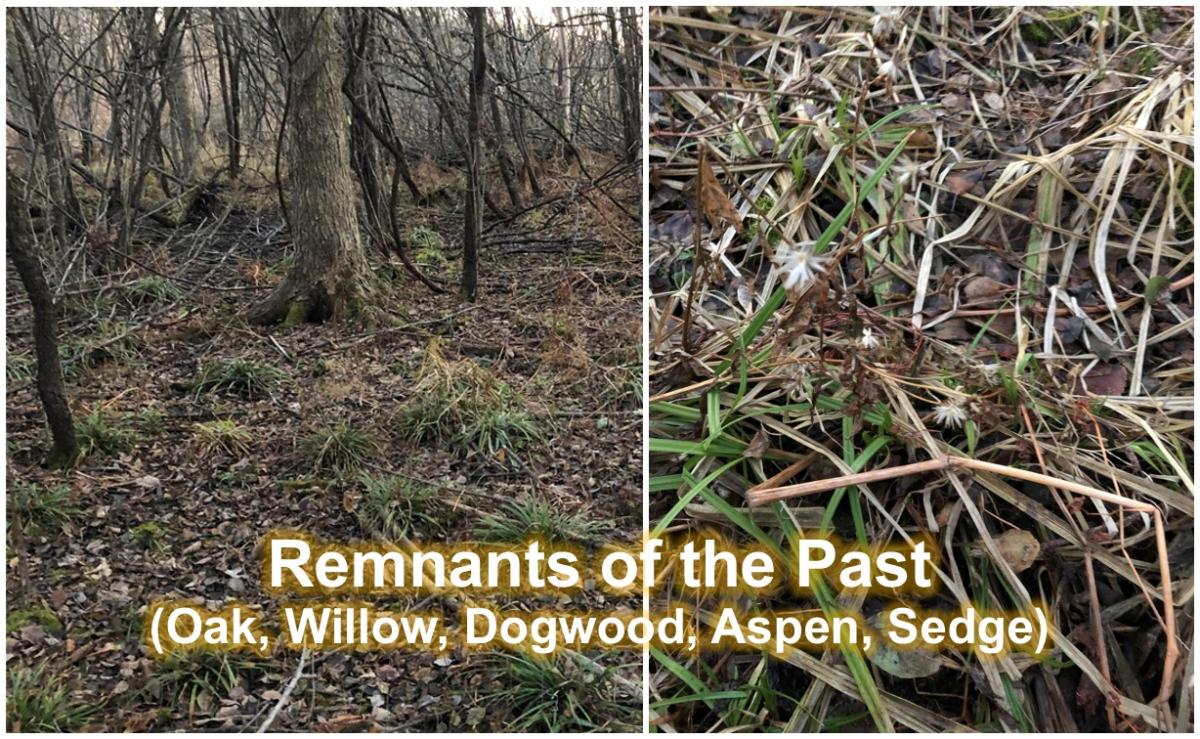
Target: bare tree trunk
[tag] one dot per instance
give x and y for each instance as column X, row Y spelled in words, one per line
column 145, row 117
column 516, row 112
column 29, row 35
column 364, row 152
column 229, row 63
column 564, row 71
column 178, row 89
column 473, row 215
column 87, row 119
column 633, row 74
column 502, row 157
column 50, row 384
column 330, row 277
column 629, row 127
column 399, row 154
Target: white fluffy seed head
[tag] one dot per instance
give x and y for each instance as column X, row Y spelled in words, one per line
column 883, row 23
column 950, row 414
column 799, row 266
column 890, row 70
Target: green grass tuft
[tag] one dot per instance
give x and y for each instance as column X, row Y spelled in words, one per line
column 461, row 404
column 150, row 420
column 40, row 702
column 430, row 249
column 530, row 516
column 19, row 367
column 42, row 510
column 238, row 376
column 338, row 448
column 153, row 289
column 150, row 535
column 558, row 695
column 394, row 507
column 498, row 431
column 195, row 679
column 223, row 435
column 97, row 434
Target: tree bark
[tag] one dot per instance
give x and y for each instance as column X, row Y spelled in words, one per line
column 364, row 151
column 51, row 388
column 330, row 277
column 473, row 216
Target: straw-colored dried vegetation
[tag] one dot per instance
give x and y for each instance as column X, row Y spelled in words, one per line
column 952, row 247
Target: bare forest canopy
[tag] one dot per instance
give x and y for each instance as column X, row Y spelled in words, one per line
column 132, row 116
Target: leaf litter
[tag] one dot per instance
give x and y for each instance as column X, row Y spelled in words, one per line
column 1000, row 204
column 158, row 518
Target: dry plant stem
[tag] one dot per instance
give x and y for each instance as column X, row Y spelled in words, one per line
column 763, row 496
column 698, row 259
column 287, row 694
column 770, row 495
column 1090, row 569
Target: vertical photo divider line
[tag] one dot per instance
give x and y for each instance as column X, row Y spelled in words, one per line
column 648, row 586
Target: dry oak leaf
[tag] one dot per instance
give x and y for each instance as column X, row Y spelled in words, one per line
column 1017, row 547
column 1103, row 379
column 717, row 206
column 757, row 446
column 961, row 183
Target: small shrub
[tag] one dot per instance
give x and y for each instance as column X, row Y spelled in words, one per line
column 238, row 376
column 392, row 507
column 38, row 509
column 530, row 516
column 41, row 702
column 222, row 435
column 153, row 289
column 97, row 434
column 337, row 448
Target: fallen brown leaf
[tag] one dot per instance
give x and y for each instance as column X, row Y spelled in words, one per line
column 1103, row 379
column 718, row 208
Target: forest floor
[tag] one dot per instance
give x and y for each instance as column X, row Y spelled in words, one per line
column 894, row 236
column 203, row 433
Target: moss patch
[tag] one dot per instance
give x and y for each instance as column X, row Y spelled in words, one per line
column 40, row 615
column 150, row 535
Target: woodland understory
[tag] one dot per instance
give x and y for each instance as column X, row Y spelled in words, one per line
column 422, row 416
